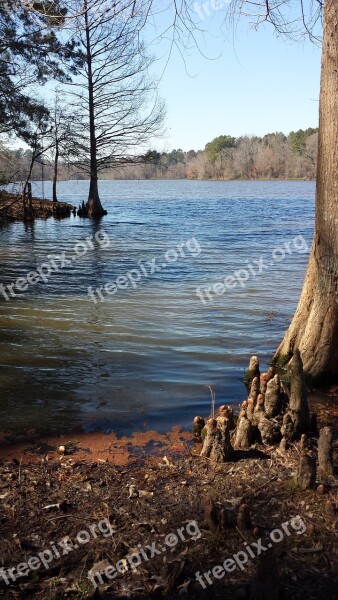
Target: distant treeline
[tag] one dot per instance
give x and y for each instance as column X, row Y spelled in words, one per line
column 274, row 156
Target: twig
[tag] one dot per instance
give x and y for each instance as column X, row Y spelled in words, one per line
column 318, row 548
column 212, row 401
column 260, row 487
column 19, row 479
column 243, row 536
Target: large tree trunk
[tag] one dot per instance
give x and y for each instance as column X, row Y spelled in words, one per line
column 314, row 329
column 94, row 206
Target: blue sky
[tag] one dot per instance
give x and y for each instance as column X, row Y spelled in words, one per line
column 255, row 83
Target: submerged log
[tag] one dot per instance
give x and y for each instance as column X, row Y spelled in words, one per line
column 252, row 372
column 217, row 445
column 306, row 473
column 325, row 452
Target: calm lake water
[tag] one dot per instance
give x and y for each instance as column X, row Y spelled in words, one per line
column 143, row 357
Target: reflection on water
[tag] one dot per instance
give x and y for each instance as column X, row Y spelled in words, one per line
column 144, row 357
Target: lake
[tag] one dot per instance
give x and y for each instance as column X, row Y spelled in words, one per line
column 142, row 354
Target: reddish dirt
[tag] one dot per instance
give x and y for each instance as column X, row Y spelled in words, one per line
column 148, row 485
column 89, row 447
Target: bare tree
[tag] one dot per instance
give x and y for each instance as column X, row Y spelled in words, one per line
column 38, row 138
column 116, row 100
column 61, row 134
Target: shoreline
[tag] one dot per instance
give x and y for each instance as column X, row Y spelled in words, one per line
column 52, row 498
column 11, row 209
column 30, row 446
column 185, row 179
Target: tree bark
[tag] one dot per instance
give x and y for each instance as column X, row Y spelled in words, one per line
column 27, row 188
column 298, row 403
column 252, row 372
column 273, row 397
column 314, row 329
column 198, row 426
column 216, row 445
column 325, row 452
column 306, row 473
column 55, row 174
column 244, row 432
column 94, row 206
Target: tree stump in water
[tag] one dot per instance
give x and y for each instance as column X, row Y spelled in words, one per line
column 325, row 452
column 306, row 473
column 252, row 372
column 217, row 445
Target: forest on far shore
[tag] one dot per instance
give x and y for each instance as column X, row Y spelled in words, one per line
column 273, row 156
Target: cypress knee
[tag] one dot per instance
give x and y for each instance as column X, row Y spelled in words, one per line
column 306, row 473
column 325, row 452
column 252, row 372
